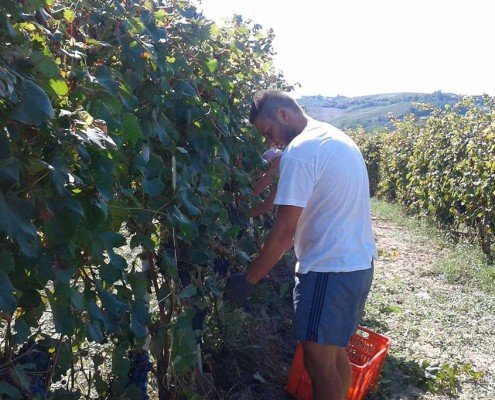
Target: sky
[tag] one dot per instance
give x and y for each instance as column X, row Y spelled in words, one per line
column 361, row 47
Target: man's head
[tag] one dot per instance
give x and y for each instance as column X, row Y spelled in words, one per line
column 277, row 116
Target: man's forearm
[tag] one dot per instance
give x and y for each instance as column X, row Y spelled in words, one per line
column 263, row 207
column 276, row 244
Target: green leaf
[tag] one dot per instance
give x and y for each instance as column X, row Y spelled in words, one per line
column 9, row 168
column 112, row 303
column 30, row 298
column 212, row 64
column 120, row 361
column 69, row 15
column 186, row 88
column 7, row 82
column 10, row 391
column 77, row 299
column 138, row 283
column 186, row 199
column 34, row 105
column 214, row 287
column 95, row 333
column 111, row 240
column 45, row 64
column 6, row 261
column 17, row 225
column 153, row 187
column 243, row 30
column 60, row 303
column 133, row 392
column 188, row 292
column 8, row 302
column 22, row 330
column 110, row 273
column 5, row 25
column 231, row 233
column 131, row 130
column 64, row 360
column 95, row 136
column 59, row 86
column 21, row 376
column 168, row 266
column 189, row 230
column 103, row 77
column 139, row 318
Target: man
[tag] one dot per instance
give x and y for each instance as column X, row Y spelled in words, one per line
column 324, row 209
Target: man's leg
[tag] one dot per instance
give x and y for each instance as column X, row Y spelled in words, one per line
column 344, row 368
column 329, row 376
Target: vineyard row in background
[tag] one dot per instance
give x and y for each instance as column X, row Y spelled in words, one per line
column 440, row 167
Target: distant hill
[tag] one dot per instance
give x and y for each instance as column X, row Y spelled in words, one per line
column 371, row 111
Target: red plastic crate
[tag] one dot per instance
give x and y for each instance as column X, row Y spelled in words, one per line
column 366, row 351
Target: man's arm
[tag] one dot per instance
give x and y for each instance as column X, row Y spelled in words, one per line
column 264, row 206
column 268, row 177
column 278, row 241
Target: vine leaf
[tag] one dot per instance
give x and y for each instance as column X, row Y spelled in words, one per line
column 188, row 228
column 13, row 223
column 8, row 302
column 34, row 105
column 97, row 137
column 59, row 87
column 10, row 391
column 131, row 129
column 212, row 65
column 6, row 261
column 103, row 77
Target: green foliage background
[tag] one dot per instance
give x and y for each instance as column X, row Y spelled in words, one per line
column 121, row 124
column 440, row 167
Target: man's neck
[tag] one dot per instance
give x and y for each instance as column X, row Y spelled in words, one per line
column 301, row 122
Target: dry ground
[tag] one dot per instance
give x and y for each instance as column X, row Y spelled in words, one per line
column 437, row 328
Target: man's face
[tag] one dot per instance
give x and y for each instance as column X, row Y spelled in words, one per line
column 276, row 133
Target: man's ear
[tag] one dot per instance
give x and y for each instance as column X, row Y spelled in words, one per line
column 283, row 116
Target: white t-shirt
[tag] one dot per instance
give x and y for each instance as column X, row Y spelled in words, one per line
column 323, row 171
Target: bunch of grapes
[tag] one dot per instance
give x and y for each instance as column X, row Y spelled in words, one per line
column 37, row 387
column 198, row 319
column 38, row 358
column 184, row 273
column 221, row 266
column 138, row 374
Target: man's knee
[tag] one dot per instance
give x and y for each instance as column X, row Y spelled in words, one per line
column 320, row 359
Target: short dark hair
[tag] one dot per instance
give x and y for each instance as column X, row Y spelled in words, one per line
column 267, row 102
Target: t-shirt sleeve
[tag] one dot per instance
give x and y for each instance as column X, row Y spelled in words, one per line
column 296, row 182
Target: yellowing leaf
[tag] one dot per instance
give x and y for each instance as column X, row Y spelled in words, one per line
column 59, row 86
column 69, row 16
column 212, row 65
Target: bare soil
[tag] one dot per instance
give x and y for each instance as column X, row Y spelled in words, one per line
column 442, row 333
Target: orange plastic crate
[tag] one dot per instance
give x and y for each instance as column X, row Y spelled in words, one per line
column 366, row 351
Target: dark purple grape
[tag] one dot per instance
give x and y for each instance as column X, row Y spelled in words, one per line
column 37, row 386
column 221, row 266
column 39, row 359
column 184, row 275
column 198, row 320
column 138, row 373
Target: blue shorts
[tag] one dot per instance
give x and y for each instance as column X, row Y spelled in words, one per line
column 329, row 305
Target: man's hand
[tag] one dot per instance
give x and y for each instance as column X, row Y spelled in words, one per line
column 263, row 207
column 238, row 289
